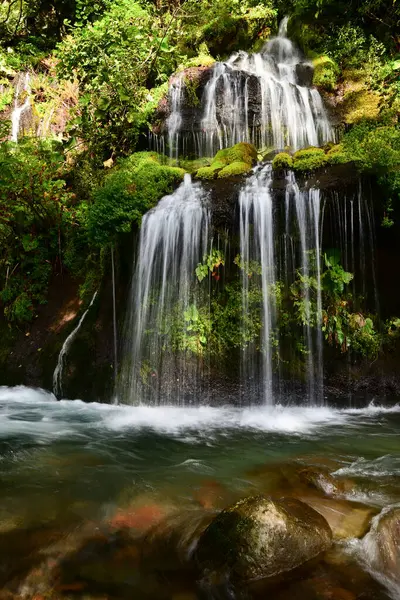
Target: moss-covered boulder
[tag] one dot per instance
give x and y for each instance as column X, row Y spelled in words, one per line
column 260, row 538
column 205, row 173
column 230, row 162
column 309, row 159
column 283, row 160
column 336, row 155
column 242, row 152
column 235, row 168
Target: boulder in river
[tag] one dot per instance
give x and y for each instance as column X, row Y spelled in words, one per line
column 262, row 538
column 346, row 519
column 382, row 543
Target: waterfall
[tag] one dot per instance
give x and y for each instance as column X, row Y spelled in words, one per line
column 23, row 85
column 306, row 227
column 301, row 253
column 58, row 372
column 173, row 240
column 265, row 98
column 257, row 244
column 174, row 120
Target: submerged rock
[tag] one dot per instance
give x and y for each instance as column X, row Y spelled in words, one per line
column 259, row 538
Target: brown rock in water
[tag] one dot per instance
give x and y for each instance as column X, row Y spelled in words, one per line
column 346, row 519
column 382, row 543
column 260, row 538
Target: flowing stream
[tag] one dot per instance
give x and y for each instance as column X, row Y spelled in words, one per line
column 70, row 470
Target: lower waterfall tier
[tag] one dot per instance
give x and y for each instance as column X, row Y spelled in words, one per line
column 252, row 300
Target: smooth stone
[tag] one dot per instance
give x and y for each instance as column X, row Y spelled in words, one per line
column 346, row 519
column 382, row 543
column 259, row 537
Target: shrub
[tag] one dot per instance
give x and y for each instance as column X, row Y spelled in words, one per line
column 128, row 192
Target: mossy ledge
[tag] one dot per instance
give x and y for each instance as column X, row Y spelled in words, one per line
column 312, row 158
column 230, row 162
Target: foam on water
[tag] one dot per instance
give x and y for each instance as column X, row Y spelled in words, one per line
column 37, row 412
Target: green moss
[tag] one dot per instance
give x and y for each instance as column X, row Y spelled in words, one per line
column 283, row 160
column 191, row 166
column 222, row 156
column 230, row 162
column 336, row 155
column 326, row 73
column 235, row 168
column 217, row 165
column 205, row 173
column 242, row 152
column 309, row 159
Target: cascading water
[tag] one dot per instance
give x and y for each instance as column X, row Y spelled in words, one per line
column 304, row 208
column 257, row 244
column 23, row 86
column 265, row 98
column 173, row 240
column 58, row 371
column 301, row 253
column 174, row 120
column 290, row 112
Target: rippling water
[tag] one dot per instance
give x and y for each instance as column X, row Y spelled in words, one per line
column 74, row 460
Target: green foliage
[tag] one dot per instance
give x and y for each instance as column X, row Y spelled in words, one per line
column 34, row 205
column 129, row 191
column 283, row 160
column 211, row 263
column 374, row 148
column 309, row 159
column 116, row 60
column 228, row 25
column 326, row 73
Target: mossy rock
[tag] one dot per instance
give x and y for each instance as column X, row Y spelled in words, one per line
column 206, row 173
column 259, row 538
column 283, row 160
column 326, row 73
column 235, row 168
column 336, row 155
column 242, row 152
column 222, row 156
column 217, row 165
column 309, row 159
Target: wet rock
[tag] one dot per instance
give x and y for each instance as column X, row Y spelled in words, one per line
column 304, row 74
column 382, row 543
column 261, row 538
column 346, row 519
column 322, row 480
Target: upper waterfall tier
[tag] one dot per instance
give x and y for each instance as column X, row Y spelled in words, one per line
column 265, row 98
